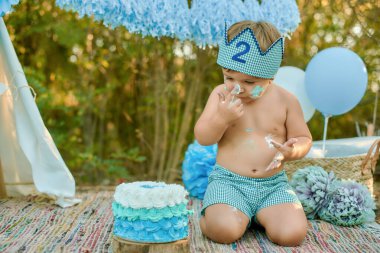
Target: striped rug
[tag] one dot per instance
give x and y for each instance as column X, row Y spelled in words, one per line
column 321, row 237
column 31, row 225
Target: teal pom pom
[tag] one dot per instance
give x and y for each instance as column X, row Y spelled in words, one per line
column 312, row 185
column 350, row 204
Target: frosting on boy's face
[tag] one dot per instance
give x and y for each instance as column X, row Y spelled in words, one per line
column 251, row 87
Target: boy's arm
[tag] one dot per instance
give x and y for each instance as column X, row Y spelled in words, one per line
column 298, row 134
column 210, row 127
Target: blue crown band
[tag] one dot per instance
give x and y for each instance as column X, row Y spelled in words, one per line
column 243, row 54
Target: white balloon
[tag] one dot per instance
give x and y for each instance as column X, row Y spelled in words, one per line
column 293, row 80
column 3, row 88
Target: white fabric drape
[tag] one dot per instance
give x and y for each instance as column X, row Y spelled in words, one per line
column 29, row 158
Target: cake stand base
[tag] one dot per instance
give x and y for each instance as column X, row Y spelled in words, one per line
column 121, row 245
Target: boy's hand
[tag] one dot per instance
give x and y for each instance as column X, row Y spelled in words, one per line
column 284, row 150
column 230, row 108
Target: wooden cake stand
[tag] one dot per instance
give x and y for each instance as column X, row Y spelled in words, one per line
column 121, row 245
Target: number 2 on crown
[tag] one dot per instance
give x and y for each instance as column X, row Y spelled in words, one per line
column 246, row 49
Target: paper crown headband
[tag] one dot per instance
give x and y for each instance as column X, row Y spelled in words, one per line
column 243, row 54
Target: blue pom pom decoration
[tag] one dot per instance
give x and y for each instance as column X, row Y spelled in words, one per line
column 312, row 185
column 203, row 22
column 196, row 167
column 6, row 6
column 156, row 18
column 208, row 19
column 254, row 11
column 350, row 204
column 283, row 14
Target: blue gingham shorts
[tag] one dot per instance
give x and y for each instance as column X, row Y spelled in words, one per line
column 247, row 194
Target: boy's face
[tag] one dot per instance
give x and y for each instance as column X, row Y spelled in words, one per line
column 251, row 87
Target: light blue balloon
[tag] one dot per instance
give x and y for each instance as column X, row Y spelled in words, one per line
column 293, row 80
column 336, row 80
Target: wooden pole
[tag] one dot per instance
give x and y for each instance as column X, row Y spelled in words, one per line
column 3, row 192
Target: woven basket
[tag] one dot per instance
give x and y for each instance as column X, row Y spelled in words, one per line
column 356, row 167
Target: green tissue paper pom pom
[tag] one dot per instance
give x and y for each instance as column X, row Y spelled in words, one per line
column 312, row 185
column 350, row 204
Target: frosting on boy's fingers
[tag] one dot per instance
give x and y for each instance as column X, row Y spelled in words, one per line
column 279, row 157
column 272, row 143
column 276, row 162
column 236, row 90
column 276, row 144
column 236, row 102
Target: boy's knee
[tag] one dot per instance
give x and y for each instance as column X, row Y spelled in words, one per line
column 288, row 236
column 222, row 231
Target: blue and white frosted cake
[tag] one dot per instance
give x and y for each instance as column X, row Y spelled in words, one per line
column 150, row 212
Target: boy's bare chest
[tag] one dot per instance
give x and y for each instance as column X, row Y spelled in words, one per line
column 262, row 119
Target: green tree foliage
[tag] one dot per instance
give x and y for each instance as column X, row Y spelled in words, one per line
column 123, row 107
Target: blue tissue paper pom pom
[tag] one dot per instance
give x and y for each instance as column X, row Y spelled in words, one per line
column 284, row 14
column 156, row 18
column 198, row 163
column 6, row 6
column 203, row 22
column 253, row 10
column 351, row 204
column 208, row 19
column 313, row 185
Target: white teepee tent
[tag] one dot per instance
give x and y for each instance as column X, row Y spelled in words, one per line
column 29, row 159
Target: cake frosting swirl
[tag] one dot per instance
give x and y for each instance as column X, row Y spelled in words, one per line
column 148, row 194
